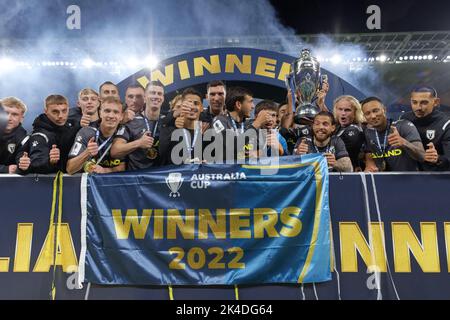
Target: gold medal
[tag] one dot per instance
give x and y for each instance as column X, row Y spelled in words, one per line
column 152, row 153
column 89, row 166
column 383, row 165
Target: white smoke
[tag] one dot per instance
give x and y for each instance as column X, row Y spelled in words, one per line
column 43, row 23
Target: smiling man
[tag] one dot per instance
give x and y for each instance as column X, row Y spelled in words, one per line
column 433, row 126
column 139, row 138
column 184, row 143
column 390, row 146
column 323, row 141
column 215, row 94
column 92, row 144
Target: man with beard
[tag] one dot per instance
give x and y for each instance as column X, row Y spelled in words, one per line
column 349, row 117
column 323, row 141
column 215, row 94
column 92, row 144
column 390, row 146
column 86, row 112
column 13, row 136
column 433, row 126
column 52, row 137
column 139, row 138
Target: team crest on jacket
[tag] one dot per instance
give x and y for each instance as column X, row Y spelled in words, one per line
column 430, row 134
column 11, row 147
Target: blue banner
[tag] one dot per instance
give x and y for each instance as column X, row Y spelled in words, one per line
column 391, row 241
column 209, row 225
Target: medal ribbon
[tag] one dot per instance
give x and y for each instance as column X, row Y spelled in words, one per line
column 187, row 139
column 97, row 135
column 234, row 124
column 381, row 148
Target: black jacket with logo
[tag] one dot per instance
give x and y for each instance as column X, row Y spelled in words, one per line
column 9, row 147
column 45, row 134
column 434, row 128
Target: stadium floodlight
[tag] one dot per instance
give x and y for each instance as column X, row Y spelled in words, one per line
column 7, row 64
column 88, row 63
column 336, row 59
column 152, row 61
column 383, row 58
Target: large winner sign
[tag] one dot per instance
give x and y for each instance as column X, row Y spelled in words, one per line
column 208, row 224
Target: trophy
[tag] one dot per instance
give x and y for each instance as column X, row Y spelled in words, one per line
column 3, row 120
column 305, row 81
column 174, row 182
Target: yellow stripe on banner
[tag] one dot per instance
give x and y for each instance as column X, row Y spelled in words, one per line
column 332, row 262
column 312, row 245
column 283, row 166
column 59, row 187
column 171, row 293
column 236, row 292
column 52, row 219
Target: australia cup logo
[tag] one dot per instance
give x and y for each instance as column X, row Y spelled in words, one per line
column 174, row 182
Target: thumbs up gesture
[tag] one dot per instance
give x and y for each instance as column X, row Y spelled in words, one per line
column 24, row 162
column 92, row 147
column 179, row 122
column 431, row 154
column 54, row 155
column 85, row 120
column 394, row 139
column 302, row 147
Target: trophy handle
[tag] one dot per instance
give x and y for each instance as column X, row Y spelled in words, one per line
column 291, row 85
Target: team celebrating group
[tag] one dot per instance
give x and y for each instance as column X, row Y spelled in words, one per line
column 102, row 134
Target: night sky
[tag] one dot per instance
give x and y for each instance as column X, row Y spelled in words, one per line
column 349, row 16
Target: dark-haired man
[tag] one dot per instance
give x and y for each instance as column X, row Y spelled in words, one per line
column 323, row 141
column 433, row 126
column 390, row 146
column 274, row 144
column 134, row 102
column 108, row 89
column 215, row 95
column 139, row 138
column 239, row 105
column 184, row 143
column 90, row 151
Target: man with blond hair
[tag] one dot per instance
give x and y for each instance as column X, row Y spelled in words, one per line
column 90, row 152
column 86, row 112
column 14, row 135
column 349, row 118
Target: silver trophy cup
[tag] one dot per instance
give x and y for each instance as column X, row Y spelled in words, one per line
column 305, row 81
column 174, row 182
